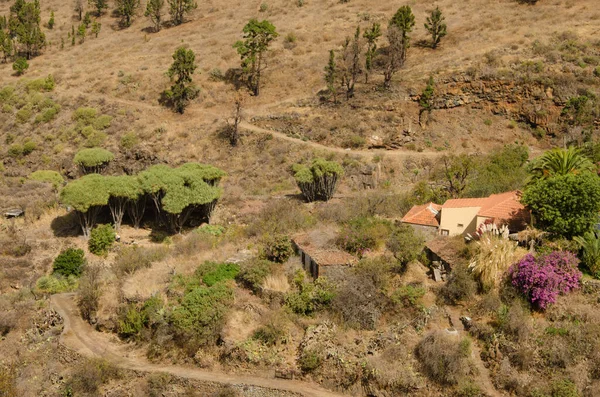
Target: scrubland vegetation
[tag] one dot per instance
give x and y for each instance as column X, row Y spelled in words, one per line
column 168, row 156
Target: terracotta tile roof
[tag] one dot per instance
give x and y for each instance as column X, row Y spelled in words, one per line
column 425, row 215
column 504, row 206
column 465, row 203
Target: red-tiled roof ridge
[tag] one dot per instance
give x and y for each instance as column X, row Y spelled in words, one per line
column 503, row 206
column 425, row 215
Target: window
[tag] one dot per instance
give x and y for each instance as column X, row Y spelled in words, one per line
column 445, row 232
column 460, row 225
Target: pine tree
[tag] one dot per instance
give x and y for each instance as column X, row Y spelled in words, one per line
column 96, row 26
column 426, row 100
column 258, row 36
column 371, row 35
column 127, row 8
column 436, row 27
column 154, row 12
column 51, row 20
column 331, row 75
column 404, row 21
column 99, row 5
column 182, row 91
column 81, row 33
column 178, row 9
column 24, row 24
column 6, row 45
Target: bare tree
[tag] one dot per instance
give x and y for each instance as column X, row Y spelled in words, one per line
column 89, row 293
column 236, row 118
column 79, row 8
column 395, row 56
column 350, row 67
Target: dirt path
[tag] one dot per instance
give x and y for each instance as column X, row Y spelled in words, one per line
column 483, row 379
column 82, row 338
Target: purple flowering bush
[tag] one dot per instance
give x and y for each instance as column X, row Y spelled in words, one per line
column 543, row 278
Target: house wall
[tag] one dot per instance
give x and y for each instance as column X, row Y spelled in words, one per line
column 459, row 220
column 429, row 232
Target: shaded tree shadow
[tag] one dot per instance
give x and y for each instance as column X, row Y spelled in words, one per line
column 423, row 44
column 66, row 225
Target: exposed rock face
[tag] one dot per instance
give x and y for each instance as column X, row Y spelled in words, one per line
column 531, row 103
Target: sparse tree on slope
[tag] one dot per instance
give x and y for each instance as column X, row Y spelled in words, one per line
column 99, row 5
column 78, row 7
column 436, row 27
column 252, row 50
column 127, row 9
column 319, row 180
column 350, row 68
column 178, row 9
column 404, row 21
column 24, row 24
column 93, row 161
column 154, row 12
column 371, row 35
column 182, row 91
column 331, row 75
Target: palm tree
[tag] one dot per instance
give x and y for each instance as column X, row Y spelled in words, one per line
column 557, row 162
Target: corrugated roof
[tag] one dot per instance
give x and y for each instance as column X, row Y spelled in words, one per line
column 425, row 215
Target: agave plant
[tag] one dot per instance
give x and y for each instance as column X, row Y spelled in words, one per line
column 590, row 246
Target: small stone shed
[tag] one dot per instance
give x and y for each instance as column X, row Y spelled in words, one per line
column 319, row 259
column 443, row 255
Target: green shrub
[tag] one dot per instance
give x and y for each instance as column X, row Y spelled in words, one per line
column 211, row 230
column 255, row 273
column 129, row 140
column 277, row 249
column 409, row 295
column 460, row 286
column 199, row 316
column 15, row 150
column 96, row 138
column 131, row 321
column 364, row 234
column 564, row 388
column 20, row 66
column 309, row 361
column 102, row 122
column 24, row 114
column 69, row 262
column 47, row 114
column 86, row 116
column 309, row 296
column 38, row 85
column 101, row 239
column 48, row 176
column 212, row 273
column 29, row 147
column 405, row 243
column 56, row 284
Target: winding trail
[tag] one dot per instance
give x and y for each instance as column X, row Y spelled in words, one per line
column 79, row 336
column 484, row 379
